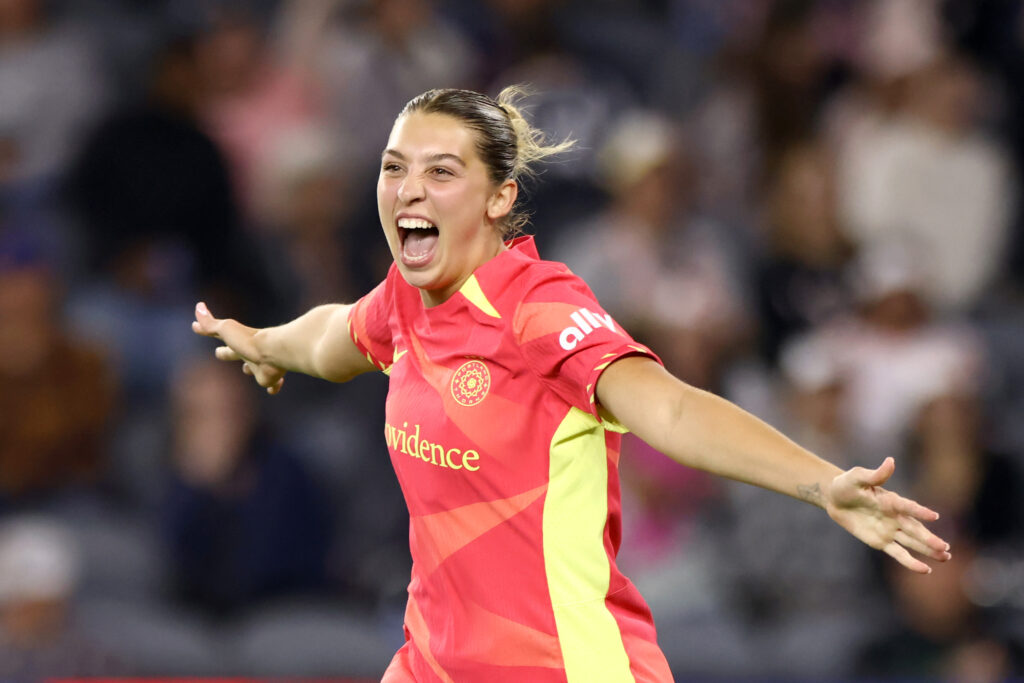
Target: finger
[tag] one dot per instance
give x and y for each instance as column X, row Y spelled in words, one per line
column 276, row 387
column 266, row 376
column 204, row 321
column 237, row 336
column 936, row 547
column 910, row 508
column 918, row 546
column 903, row 556
column 248, row 369
column 226, row 353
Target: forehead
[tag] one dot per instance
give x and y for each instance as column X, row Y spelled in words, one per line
column 420, row 134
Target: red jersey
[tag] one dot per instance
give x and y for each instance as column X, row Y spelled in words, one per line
column 510, row 473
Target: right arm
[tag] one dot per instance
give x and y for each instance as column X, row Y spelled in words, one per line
column 316, row 343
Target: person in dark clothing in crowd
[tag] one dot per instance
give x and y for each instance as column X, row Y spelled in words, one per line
column 242, row 519
column 155, row 196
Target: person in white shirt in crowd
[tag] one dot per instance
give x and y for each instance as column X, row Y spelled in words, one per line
column 914, row 161
column 894, row 346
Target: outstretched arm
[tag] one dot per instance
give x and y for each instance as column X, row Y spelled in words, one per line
column 316, row 343
column 707, row 432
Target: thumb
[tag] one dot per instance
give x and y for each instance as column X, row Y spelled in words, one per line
column 879, row 476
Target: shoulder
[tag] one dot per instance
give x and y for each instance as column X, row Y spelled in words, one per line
column 525, row 276
column 523, row 280
column 546, row 297
column 551, row 280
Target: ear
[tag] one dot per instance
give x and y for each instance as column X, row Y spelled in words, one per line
column 501, row 202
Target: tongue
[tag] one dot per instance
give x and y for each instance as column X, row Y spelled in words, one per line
column 418, row 243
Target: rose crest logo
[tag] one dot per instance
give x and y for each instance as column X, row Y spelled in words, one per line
column 470, row 383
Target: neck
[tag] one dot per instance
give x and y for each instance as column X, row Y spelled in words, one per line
column 435, row 297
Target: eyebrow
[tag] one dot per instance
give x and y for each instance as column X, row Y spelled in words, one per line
column 440, row 156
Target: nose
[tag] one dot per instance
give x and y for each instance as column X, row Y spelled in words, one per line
column 411, row 189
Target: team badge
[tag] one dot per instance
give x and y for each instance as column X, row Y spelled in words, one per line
column 470, row 383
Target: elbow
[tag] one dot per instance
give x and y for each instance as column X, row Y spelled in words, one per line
column 321, row 365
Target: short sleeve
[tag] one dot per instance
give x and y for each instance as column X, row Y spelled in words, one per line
column 567, row 339
column 369, row 325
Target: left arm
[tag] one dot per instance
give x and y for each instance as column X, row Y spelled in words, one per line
column 701, row 430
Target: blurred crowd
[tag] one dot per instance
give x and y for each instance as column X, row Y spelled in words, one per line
column 811, row 207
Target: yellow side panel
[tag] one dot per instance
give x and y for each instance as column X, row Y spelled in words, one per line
column 578, row 570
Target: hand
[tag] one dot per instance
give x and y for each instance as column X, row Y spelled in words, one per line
column 883, row 519
column 239, row 345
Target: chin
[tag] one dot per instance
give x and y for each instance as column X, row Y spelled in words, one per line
column 423, row 279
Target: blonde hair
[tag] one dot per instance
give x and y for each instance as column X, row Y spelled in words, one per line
column 531, row 144
column 507, row 143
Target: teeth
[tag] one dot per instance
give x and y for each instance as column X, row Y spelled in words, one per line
column 415, row 224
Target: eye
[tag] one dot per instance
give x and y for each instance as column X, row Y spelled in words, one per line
column 390, row 167
column 441, row 171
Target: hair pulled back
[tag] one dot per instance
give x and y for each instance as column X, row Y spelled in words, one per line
column 505, row 141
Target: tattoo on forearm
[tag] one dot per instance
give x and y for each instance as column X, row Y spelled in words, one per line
column 812, row 494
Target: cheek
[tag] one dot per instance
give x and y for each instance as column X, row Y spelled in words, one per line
column 385, row 201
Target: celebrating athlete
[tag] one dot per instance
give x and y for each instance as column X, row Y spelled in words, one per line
column 509, row 389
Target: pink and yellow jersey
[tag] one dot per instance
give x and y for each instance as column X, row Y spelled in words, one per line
column 511, row 478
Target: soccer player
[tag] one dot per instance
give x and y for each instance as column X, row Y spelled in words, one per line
column 509, row 388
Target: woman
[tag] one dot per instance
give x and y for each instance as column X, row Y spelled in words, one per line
column 509, row 387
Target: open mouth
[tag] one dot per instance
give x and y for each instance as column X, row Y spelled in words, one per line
column 418, row 237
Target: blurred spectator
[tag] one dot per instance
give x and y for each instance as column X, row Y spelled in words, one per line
column 806, row 604
column 57, row 396
column 258, row 87
column 506, row 32
column 801, row 279
column 953, row 469
column 53, row 90
column 894, row 40
column 930, row 175
column 893, row 351
column 936, row 632
column 379, row 55
column 39, row 637
column 153, row 195
column 306, row 205
column 769, row 87
column 155, row 198
column 243, row 520
column 569, row 99
column 790, row 77
column 990, row 30
column 659, row 267
column 52, row 84
column 813, row 390
column 664, row 549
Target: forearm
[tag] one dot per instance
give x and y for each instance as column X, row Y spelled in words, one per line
column 712, row 434
column 313, row 344
column 704, row 431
